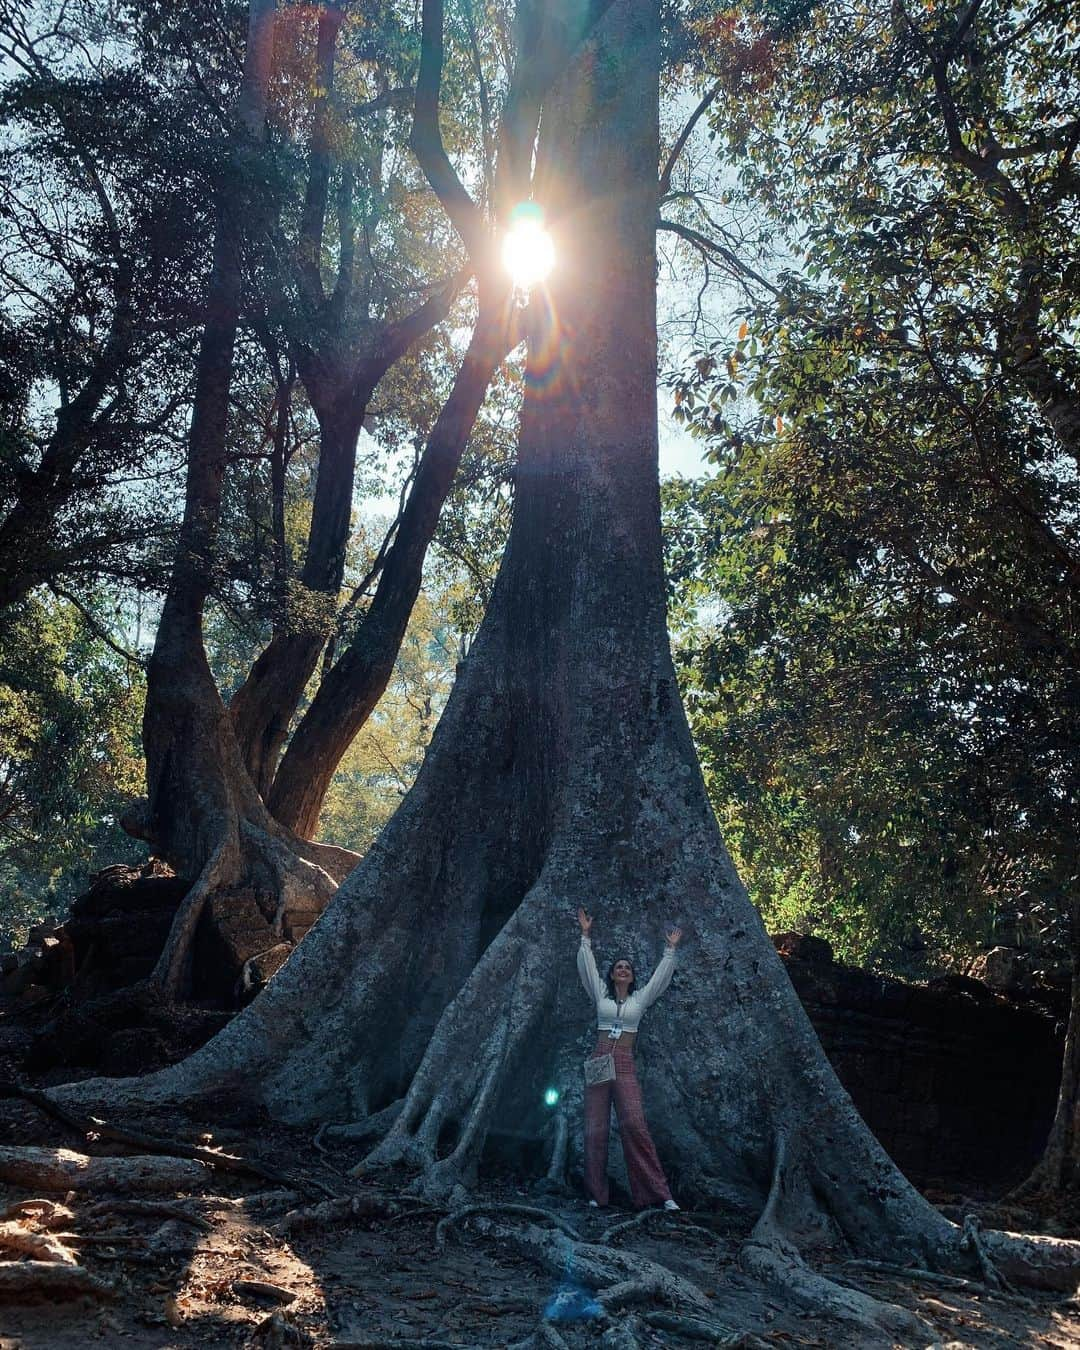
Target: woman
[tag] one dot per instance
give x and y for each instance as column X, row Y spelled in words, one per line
column 618, row 1011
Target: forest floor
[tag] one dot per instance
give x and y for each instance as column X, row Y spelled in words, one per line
column 235, row 1260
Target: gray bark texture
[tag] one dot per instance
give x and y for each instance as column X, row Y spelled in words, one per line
column 202, row 812
column 437, row 997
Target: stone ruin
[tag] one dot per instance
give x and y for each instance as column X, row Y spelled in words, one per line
column 958, row 1078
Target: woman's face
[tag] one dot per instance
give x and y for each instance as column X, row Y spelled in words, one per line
column 622, row 972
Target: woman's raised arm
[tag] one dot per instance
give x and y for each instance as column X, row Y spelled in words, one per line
column 661, row 976
column 586, row 962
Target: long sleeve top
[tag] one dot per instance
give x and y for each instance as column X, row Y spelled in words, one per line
column 628, row 1014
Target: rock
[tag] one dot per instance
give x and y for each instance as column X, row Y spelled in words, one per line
column 804, row 947
column 960, row 984
column 233, row 929
column 134, row 1050
column 1003, row 969
column 258, row 969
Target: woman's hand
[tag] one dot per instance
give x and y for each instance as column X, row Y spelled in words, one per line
column 673, row 937
column 585, row 920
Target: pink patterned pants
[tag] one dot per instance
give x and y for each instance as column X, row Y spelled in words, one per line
column 648, row 1185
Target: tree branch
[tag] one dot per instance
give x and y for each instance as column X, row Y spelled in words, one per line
column 684, row 136
column 709, row 248
column 426, row 142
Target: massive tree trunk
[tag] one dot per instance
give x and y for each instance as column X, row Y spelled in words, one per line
column 265, row 703
column 436, row 998
column 202, row 811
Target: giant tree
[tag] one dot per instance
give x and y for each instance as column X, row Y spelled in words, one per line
column 436, row 998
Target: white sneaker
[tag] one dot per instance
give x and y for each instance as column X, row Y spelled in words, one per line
column 593, row 1204
column 670, row 1204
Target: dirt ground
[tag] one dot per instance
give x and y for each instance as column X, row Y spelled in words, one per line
column 239, row 1262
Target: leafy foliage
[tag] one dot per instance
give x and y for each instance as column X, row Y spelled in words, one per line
column 895, row 422
column 70, row 757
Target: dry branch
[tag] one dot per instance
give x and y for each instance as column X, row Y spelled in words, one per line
column 40, row 1246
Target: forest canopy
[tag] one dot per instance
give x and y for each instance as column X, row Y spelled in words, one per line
column 869, row 291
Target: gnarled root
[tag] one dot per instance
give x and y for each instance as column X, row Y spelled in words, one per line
column 1033, row 1260
column 769, row 1256
column 619, row 1277
column 331, row 1212
column 527, row 1211
column 694, row 1329
column 778, row 1265
column 456, row 1082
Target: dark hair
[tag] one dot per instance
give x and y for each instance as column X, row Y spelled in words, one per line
column 608, row 980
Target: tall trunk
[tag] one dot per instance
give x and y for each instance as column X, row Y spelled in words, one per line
column 203, row 813
column 341, row 362
column 355, row 683
column 263, row 706
column 440, row 980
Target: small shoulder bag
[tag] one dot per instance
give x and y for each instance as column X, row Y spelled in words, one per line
column 599, row 1069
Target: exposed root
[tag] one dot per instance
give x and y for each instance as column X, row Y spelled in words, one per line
column 39, row 1246
column 465, row 1061
column 560, row 1147
column 528, row 1211
column 597, row 1267
column 778, row 1265
column 630, row 1291
column 1033, row 1260
column 60, row 1169
column 769, row 1256
column 360, row 1131
column 971, row 1241
column 31, row 1280
column 937, row 1277
column 148, row 1208
column 169, row 972
column 89, row 1126
column 331, row 1212
column 697, row 1329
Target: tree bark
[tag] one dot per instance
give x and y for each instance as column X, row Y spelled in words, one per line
column 263, row 706
column 355, row 683
column 340, row 361
column 1058, row 1170
column 437, row 997
column 203, row 813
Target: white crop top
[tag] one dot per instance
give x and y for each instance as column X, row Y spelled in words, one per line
column 628, row 1013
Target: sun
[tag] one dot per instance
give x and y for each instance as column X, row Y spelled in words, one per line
column 528, row 253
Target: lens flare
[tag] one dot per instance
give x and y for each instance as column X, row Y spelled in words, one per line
column 528, row 253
